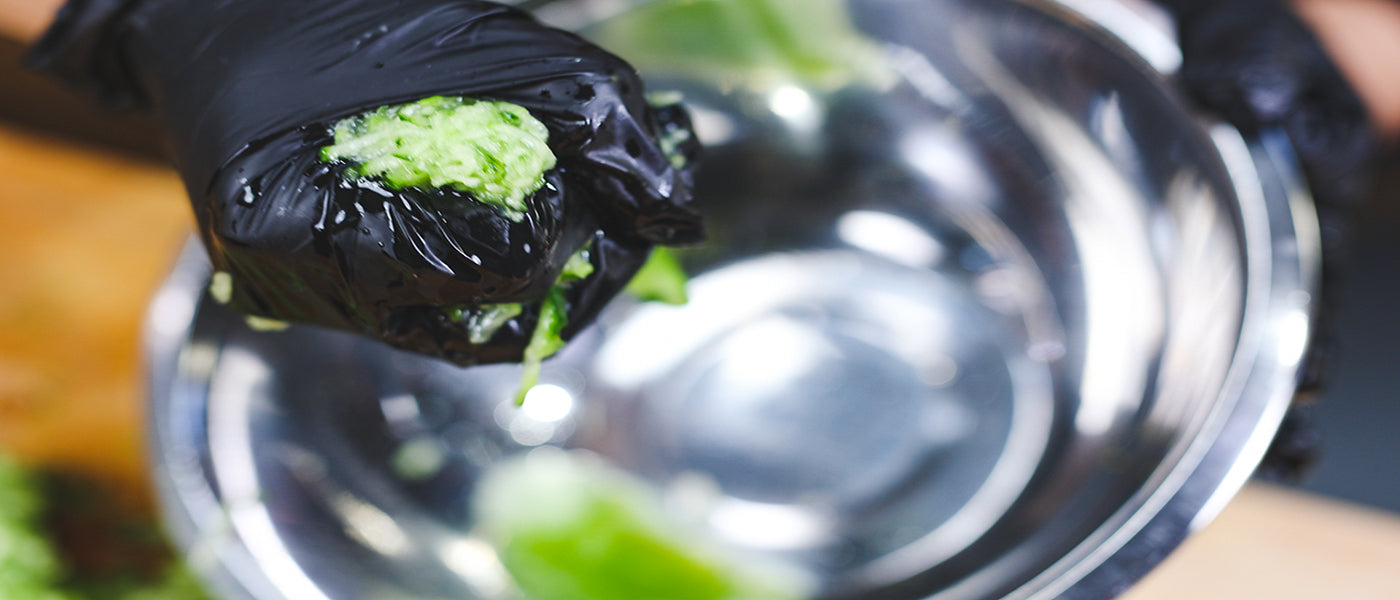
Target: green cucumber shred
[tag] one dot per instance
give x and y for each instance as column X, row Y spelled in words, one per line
column 483, row 322
column 661, row 279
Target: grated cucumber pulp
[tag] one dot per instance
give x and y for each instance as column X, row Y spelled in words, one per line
column 495, row 151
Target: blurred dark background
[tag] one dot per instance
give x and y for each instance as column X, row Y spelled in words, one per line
column 1357, row 418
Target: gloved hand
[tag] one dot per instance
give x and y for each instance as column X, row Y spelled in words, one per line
column 1259, row 67
column 248, row 92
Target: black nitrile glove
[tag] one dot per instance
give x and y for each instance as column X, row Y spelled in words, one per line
column 1258, row 66
column 247, row 93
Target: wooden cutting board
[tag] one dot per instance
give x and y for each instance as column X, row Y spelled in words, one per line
column 85, row 238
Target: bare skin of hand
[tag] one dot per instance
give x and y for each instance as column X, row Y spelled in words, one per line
column 24, row 20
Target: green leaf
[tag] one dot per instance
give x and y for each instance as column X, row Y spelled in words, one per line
column 29, row 566
column 485, row 321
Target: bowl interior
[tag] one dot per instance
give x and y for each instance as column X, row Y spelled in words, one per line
column 975, row 281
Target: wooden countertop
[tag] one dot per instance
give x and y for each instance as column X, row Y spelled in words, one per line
column 85, row 237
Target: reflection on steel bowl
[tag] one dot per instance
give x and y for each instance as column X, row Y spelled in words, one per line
column 986, row 312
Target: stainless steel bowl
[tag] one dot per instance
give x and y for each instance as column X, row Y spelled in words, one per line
column 998, row 317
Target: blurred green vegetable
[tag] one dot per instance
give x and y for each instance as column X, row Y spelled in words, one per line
column 29, row 567
column 569, row 527
column 32, row 567
column 755, row 42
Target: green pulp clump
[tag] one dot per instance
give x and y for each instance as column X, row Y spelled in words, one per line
column 495, row 151
column 567, row 526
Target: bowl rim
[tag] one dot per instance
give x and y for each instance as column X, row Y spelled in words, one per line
column 1280, row 235
column 1279, row 232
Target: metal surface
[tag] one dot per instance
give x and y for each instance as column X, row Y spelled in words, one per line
column 1011, row 323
